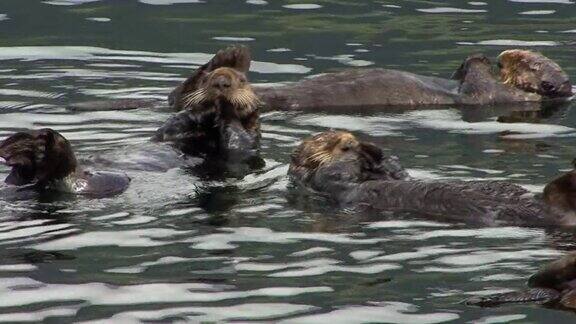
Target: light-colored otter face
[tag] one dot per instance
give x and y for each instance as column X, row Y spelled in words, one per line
column 227, row 84
column 37, row 156
column 324, row 148
column 339, row 157
column 534, row 72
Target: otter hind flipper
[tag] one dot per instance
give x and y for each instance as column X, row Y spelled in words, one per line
column 534, row 295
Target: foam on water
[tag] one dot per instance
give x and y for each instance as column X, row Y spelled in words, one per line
column 302, row 6
column 169, row 2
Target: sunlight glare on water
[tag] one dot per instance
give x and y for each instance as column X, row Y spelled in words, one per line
column 176, row 247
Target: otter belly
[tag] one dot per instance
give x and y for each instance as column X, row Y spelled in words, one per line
column 354, row 88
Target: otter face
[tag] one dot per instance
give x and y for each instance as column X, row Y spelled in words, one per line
column 223, row 84
column 37, row 156
column 323, row 149
column 534, row 72
column 340, row 156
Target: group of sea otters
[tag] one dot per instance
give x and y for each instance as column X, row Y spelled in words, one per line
column 219, row 117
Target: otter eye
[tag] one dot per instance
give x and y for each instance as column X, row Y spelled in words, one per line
column 499, row 65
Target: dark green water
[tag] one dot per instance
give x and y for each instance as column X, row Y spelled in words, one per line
column 175, row 248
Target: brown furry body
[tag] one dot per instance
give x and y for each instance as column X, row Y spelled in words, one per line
column 220, row 111
column 533, row 72
column 527, row 76
column 355, row 174
column 524, row 76
column 44, row 159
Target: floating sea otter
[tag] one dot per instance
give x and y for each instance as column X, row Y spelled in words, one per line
column 220, row 121
column 356, row 176
column 554, row 285
column 44, row 159
column 220, row 111
column 525, row 76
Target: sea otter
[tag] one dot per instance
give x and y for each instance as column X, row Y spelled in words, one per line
column 220, row 111
column 220, row 122
column 43, row 159
column 357, row 176
column 554, row 285
column 534, row 72
column 525, row 76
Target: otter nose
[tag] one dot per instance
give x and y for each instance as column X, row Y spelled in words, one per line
column 347, row 146
column 222, row 82
column 547, row 86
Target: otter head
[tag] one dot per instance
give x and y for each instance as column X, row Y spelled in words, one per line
column 37, row 156
column 337, row 156
column 534, row 72
column 560, row 194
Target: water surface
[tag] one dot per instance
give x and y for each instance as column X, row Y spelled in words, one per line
column 177, row 247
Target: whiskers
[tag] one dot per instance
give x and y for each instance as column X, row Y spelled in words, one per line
column 318, row 158
column 509, row 77
column 509, row 80
column 194, row 98
column 245, row 100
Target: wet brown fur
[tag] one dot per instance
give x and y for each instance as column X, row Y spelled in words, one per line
column 339, row 157
column 224, row 83
column 325, row 147
column 37, row 156
column 561, row 192
column 219, row 90
column 232, row 63
column 527, row 70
